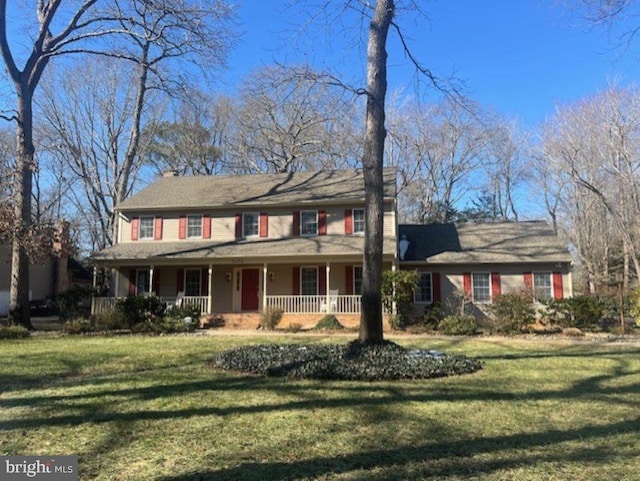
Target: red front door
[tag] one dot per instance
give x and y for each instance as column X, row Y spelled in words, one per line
column 250, row 283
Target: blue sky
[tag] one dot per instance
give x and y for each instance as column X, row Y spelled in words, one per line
column 521, row 57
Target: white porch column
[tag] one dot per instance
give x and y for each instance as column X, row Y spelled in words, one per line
column 151, row 280
column 264, row 286
column 328, row 299
column 393, row 305
column 94, row 282
column 210, row 290
column 116, row 283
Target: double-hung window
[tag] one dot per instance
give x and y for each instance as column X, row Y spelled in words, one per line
column 192, row 278
column 481, row 284
column 146, row 227
column 542, row 286
column 357, row 280
column 309, row 222
column 194, row 225
column 309, row 281
column 358, row 221
column 250, row 224
column 424, row 292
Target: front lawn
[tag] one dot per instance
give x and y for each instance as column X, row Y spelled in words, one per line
column 142, row 408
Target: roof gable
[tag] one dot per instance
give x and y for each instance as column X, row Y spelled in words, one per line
column 259, row 189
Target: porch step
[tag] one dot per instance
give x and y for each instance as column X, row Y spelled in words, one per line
column 231, row 320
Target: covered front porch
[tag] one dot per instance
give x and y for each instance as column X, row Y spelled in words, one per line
column 306, row 288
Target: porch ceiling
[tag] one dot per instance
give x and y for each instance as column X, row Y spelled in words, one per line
column 296, row 247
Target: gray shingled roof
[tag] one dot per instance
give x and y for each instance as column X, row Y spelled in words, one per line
column 260, row 189
column 329, row 245
column 488, row 243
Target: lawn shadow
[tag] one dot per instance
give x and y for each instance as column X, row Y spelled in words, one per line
column 437, row 459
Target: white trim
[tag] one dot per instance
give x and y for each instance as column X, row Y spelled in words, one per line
column 473, row 291
column 421, row 302
column 257, row 216
column 187, row 226
column 302, row 233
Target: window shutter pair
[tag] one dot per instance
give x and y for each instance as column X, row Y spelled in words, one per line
column 157, row 228
column 558, row 288
column 322, row 223
column 206, row 227
column 263, row 229
column 496, row 285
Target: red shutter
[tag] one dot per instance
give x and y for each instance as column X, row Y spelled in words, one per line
column 156, row 281
column 204, row 284
column 322, row 281
column 322, row 222
column 295, row 287
column 348, row 280
column 157, row 228
column 435, row 286
column 182, row 227
column 238, row 220
column 296, row 223
column 466, row 282
column 264, row 224
column 132, row 282
column 206, row 227
column 348, row 221
column 528, row 282
column 180, row 280
column 135, row 225
column 496, row 287
column 558, row 291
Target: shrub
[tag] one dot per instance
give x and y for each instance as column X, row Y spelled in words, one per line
column 512, row 312
column 271, row 317
column 14, row 332
column 579, row 311
column 398, row 288
column 329, row 323
column 74, row 302
column 109, row 321
column 433, row 314
column 172, row 325
column 139, row 313
column 180, row 312
column 77, row 326
column 458, row 324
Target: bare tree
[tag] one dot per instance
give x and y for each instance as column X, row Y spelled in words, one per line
column 286, row 122
column 149, row 34
column 437, row 148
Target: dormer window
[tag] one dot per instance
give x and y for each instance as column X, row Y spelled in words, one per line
column 146, row 227
column 250, row 224
column 194, row 225
column 309, row 222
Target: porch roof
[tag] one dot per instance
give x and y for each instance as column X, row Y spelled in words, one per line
column 326, row 245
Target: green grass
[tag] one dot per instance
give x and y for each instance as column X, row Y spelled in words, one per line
column 142, row 408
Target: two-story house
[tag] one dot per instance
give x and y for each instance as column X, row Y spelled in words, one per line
column 233, row 244
column 239, row 244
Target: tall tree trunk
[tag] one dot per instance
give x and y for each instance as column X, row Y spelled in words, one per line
column 372, row 163
column 19, row 309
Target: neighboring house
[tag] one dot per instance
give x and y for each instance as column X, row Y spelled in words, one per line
column 240, row 244
column 46, row 279
column 234, row 244
column 485, row 260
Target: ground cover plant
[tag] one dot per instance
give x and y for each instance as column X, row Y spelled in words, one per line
column 153, row 408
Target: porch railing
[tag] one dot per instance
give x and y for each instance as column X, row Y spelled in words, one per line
column 345, row 304
column 100, row 305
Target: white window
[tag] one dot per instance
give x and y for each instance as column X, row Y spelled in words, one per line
column 358, row 221
column 424, row 293
column 542, row 286
column 194, row 226
column 481, row 282
column 146, row 227
column 192, row 278
column 357, row 280
column 309, row 222
column 309, row 281
column 250, row 224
